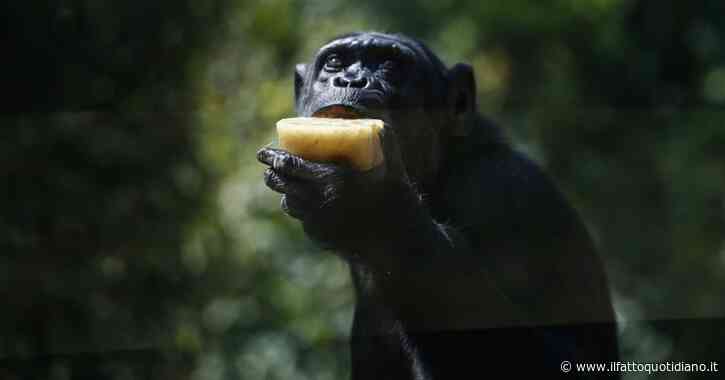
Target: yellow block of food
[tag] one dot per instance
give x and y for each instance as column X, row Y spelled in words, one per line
column 353, row 141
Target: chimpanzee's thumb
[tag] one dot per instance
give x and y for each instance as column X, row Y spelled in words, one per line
column 393, row 159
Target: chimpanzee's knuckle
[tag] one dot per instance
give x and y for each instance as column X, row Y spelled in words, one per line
column 262, row 154
column 269, row 177
column 295, row 163
column 273, row 180
column 330, row 195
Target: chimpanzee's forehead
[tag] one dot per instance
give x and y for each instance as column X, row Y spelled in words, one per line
column 375, row 40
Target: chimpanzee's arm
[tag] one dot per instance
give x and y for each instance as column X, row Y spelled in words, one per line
column 512, row 278
column 418, row 263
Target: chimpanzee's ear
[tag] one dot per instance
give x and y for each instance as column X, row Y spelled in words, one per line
column 300, row 70
column 461, row 97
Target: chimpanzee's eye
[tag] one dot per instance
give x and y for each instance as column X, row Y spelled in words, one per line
column 389, row 65
column 333, row 62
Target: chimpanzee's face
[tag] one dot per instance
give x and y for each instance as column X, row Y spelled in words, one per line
column 365, row 75
column 382, row 76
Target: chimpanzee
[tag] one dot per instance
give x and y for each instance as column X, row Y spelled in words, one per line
column 465, row 258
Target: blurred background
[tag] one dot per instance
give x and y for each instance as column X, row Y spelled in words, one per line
column 137, row 240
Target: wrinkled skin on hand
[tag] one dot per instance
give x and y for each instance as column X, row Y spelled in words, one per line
column 337, row 205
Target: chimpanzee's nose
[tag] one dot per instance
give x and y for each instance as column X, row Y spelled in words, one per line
column 358, row 82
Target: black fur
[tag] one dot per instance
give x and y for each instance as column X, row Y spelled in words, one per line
column 465, row 257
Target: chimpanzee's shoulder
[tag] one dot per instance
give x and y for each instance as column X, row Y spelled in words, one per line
column 494, row 188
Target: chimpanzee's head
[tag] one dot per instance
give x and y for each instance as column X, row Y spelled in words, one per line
column 394, row 78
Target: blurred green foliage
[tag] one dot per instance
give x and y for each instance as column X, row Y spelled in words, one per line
column 138, row 241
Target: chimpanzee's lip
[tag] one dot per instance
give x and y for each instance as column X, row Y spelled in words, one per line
column 340, row 111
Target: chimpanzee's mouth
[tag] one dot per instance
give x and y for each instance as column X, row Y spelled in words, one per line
column 339, row 111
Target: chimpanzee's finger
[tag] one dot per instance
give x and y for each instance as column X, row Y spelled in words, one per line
column 288, row 164
column 295, row 207
column 267, row 155
column 391, row 152
column 287, row 185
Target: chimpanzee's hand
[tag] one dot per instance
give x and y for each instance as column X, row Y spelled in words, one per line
column 336, row 204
